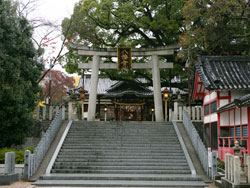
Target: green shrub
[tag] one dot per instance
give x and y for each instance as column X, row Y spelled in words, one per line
column 19, row 154
column 220, row 164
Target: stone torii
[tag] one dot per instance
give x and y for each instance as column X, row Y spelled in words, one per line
column 155, row 65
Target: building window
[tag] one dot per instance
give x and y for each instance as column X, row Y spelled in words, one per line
column 207, row 109
column 232, row 131
column 213, row 106
column 245, row 131
column 238, row 131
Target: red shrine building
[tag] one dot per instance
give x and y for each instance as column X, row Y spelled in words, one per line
column 223, row 85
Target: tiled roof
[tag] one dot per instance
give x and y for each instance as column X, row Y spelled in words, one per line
column 224, row 72
column 242, row 101
column 125, row 88
column 104, row 84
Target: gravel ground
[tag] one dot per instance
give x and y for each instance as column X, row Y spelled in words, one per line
column 22, row 184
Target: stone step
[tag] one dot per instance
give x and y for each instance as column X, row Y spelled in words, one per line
column 119, row 160
column 121, row 150
column 83, row 171
column 119, row 167
column 147, row 177
column 117, row 147
column 120, row 183
column 172, row 142
column 141, row 163
column 118, row 154
column 135, row 145
column 120, row 157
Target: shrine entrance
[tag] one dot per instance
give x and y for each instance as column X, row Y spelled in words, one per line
column 129, row 111
column 153, row 64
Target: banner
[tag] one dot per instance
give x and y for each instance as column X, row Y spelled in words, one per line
column 124, row 55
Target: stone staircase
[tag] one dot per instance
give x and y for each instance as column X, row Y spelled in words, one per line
column 121, row 154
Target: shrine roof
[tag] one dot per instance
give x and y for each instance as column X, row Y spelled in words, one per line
column 240, row 102
column 224, row 72
column 106, row 84
column 122, row 88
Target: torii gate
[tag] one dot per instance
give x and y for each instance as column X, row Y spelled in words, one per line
column 95, row 65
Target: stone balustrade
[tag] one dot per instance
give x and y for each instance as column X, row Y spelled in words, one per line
column 195, row 112
column 32, row 161
column 233, row 169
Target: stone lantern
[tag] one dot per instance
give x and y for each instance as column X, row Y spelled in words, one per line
column 166, row 95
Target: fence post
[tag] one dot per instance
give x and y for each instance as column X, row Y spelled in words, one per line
column 227, row 166
column 27, row 165
column 214, row 164
column 193, row 113
column 248, row 169
column 50, row 112
column 63, row 112
column 9, row 167
column 180, row 113
column 236, row 170
column 70, row 110
column 175, row 111
column 198, row 113
column 44, row 113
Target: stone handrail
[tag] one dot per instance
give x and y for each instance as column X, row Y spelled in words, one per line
column 195, row 112
column 233, row 168
column 208, row 161
column 32, row 161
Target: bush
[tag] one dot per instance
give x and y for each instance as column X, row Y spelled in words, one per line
column 220, row 164
column 19, row 154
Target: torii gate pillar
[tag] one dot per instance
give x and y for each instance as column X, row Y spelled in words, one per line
column 157, row 89
column 93, row 88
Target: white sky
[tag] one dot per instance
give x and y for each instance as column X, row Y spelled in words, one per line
column 54, row 11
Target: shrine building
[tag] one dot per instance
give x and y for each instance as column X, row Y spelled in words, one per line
column 123, row 100
column 223, row 84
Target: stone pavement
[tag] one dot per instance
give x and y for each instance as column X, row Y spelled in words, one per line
column 23, row 184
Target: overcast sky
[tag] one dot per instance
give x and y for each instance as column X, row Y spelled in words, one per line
column 52, row 10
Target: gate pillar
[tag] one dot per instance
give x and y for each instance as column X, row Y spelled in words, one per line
column 93, row 88
column 157, row 89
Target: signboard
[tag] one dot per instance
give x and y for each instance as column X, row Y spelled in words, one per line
column 124, row 55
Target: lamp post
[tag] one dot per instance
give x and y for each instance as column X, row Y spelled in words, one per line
column 153, row 112
column 166, row 94
column 105, row 113
column 82, row 97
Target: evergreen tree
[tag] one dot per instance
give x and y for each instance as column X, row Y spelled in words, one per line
column 19, row 71
column 135, row 23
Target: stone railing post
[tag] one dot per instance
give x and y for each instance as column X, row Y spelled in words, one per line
column 248, row 169
column 70, row 110
column 63, row 112
column 198, row 113
column 214, row 165
column 44, row 113
column 236, row 171
column 27, row 165
column 193, row 113
column 170, row 114
column 175, row 111
column 50, row 113
column 9, row 167
column 180, row 113
column 227, row 166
